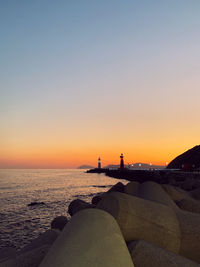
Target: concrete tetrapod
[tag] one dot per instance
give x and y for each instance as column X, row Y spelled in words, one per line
column 145, row 254
column 190, row 234
column 118, row 187
column 77, row 205
column 175, row 193
column 97, row 198
column 188, row 204
column 189, row 222
column 188, row 185
column 131, row 188
column 59, row 222
column 143, row 219
column 195, row 193
column 154, row 192
column 92, row 238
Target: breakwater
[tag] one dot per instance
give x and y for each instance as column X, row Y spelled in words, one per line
column 163, row 176
column 137, row 224
column 183, row 179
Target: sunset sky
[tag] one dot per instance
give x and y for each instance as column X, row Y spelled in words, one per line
column 83, row 79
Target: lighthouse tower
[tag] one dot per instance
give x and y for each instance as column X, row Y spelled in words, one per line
column 121, row 162
column 99, row 163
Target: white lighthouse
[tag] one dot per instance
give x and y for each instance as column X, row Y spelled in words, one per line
column 99, row 163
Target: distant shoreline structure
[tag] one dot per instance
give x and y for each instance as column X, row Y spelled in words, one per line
column 138, row 166
column 188, row 161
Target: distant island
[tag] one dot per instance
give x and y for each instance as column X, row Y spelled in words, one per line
column 85, row 167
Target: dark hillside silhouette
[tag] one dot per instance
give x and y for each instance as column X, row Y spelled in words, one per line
column 188, row 160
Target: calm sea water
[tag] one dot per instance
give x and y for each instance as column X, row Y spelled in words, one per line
column 20, row 223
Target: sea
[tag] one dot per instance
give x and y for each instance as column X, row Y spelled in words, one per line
column 56, row 188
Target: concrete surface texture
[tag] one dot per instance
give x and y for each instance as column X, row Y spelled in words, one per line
column 195, row 193
column 77, row 205
column 143, row 219
column 145, row 254
column 154, row 192
column 175, row 193
column 189, row 222
column 91, row 238
column 59, row 222
column 188, row 204
column 131, row 188
column 190, row 234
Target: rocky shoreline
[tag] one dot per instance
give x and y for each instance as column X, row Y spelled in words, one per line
column 137, row 224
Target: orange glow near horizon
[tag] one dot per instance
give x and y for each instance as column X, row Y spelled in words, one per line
column 73, row 159
column 74, row 145
column 145, row 142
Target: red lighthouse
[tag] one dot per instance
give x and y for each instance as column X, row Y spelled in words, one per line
column 122, row 162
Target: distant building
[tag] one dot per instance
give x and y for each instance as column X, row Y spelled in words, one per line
column 188, row 167
column 121, row 162
column 99, row 163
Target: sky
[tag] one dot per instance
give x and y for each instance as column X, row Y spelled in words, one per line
column 83, row 79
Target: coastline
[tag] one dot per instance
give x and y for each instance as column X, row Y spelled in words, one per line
column 158, row 196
